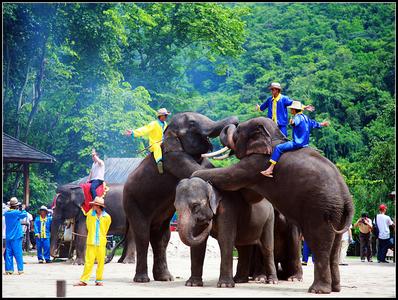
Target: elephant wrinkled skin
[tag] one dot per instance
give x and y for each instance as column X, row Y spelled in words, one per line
column 307, row 188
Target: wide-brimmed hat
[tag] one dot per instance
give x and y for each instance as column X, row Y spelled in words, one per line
column 98, row 201
column 162, row 112
column 296, row 105
column 275, row 85
column 13, row 202
column 43, row 207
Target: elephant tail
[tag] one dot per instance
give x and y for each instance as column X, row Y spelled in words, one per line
column 110, row 256
column 348, row 213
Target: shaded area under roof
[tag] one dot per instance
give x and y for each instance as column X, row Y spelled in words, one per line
column 15, row 151
column 116, row 169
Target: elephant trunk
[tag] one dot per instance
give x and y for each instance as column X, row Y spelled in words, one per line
column 216, row 127
column 226, row 136
column 55, row 226
column 185, row 229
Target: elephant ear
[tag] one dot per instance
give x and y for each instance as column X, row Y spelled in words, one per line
column 214, row 197
column 260, row 141
column 171, row 142
column 77, row 195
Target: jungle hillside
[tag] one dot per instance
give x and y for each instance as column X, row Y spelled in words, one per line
column 77, row 75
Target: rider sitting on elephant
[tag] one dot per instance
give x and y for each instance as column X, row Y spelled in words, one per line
column 302, row 126
column 154, row 131
column 97, row 173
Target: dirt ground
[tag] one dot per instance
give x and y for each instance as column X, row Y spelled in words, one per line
column 358, row 279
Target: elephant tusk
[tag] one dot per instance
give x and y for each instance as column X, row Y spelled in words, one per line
column 222, row 156
column 211, row 154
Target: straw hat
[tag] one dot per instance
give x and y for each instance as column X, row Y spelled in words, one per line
column 296, row 105
column 13, row 202
column 162, row 112
column 275, row 85
column 98, row 201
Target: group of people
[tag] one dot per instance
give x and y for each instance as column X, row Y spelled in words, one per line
column 14, row 218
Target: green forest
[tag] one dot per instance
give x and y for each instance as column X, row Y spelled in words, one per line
column 76, row 75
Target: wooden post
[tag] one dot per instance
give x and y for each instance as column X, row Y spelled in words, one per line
column 26, row 184
column 61, row 288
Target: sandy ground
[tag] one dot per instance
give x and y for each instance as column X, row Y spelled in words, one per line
column 359, row 280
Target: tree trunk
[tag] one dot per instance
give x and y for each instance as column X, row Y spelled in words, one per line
column 19, row 105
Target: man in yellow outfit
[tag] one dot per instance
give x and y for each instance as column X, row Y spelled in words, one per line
column 154, row 131
column 98, row 222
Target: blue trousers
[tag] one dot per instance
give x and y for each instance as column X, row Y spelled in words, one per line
column 283, row 128
column 284, row 147
column 43, row 245
column 94, row 184
column 307, row 252
column 13, row 249
column 382, row 249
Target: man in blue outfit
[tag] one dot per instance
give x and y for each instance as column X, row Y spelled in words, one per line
column 14, row 236
column 277, row 107
column 302, row 126
column 42, row 227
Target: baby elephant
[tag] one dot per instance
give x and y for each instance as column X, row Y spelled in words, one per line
column 202, row 210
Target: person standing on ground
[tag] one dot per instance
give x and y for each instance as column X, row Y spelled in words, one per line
column 97, row 173
column 98, row 222
column 365, row 228
column 5, row 208
column 42, row 227
column 154, row 132
column 277, row 107
column 14, row 236
column 346, row 240
column 383, row 222
column 306, row 253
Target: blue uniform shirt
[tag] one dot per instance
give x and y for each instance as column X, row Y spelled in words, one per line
column 13, row 223
column 38, row 227
column 302, row 128
column 281, row 109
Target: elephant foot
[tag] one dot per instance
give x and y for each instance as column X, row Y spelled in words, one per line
column 142, row 278
column 166, row 276
column 336, row 287
column 241, row 279
column 295, row 278
column 127, row 260
column 319, row 288
column 266, row 279
column 194, row 281
column 78, row 261
column 226, row 282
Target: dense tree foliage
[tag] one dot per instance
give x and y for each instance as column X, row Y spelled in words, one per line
column 75, row 76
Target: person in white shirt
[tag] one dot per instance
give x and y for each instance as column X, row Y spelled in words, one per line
column 345, row 242
column 97, row 173
column 26, row 222
column 383, row 222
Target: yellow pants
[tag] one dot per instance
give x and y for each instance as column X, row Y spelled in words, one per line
column 94, row 253
column 157, row 152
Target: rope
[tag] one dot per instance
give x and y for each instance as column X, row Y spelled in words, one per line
column 82, row 235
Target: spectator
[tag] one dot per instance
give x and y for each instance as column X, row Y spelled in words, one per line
column 383, row 222
column 5, row 208
column 42, row 233
column 346, row 240
column 14, row 236
column 98, row 222
column 365, row 228
column 26, row 228
column 306, row 253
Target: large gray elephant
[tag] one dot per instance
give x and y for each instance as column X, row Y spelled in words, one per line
column 307, row 188
column 68, row 205
column 148, row 197
column 202, row 210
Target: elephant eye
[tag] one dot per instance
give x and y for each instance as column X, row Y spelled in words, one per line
column 195, row 207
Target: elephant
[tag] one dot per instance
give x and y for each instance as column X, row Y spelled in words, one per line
column 68, row 205
column 148, row 196
column 202, row 210
column 287, row 251
column 307, row 188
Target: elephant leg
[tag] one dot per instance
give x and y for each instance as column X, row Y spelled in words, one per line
column 334, row 264
column 226, row 243
column 267, row 249
column 142, row 243
column 291, row 266
column 80, row 241
column 128, row 255
column 321, row 245
column 244, row 262
column 159, row 239
column 197, row 259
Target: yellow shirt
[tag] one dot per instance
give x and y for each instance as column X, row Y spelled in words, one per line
column 154, row 132
column 97, row 228
column 43, row 227
column 274, row 101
